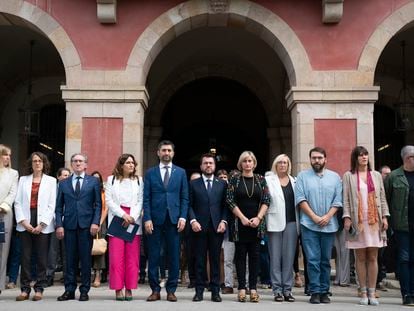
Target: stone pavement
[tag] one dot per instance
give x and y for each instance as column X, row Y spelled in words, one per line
column 344, row 298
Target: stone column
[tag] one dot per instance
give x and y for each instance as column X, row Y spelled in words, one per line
column 128, row 104
column 308, row 104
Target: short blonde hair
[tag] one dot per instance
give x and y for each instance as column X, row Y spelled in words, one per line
column 243, row 156
column 280, row 158
column 4, row 150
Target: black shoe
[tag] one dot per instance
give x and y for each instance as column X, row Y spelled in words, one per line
column 49, row 281
column 315, row 299
column 216, row 297
column 198, row 297
column 325, row 298
column 289, row 297
column 66, row 296
column 408, row 300
column 278, row 297
column 83, row 297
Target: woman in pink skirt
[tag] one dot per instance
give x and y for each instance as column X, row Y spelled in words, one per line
column 123, row 196
column 365, row 220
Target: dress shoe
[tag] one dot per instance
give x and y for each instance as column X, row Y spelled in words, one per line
column 198, row 297
column 66, row 296
column 315, row 299
column 49, row 281
column 154, row 296
column 216, row 297
column 83, row 297
column 38, row 296
column 22, row 297
column 171, row 297
column 324, row 298
column 227, row 290
column 408, row 300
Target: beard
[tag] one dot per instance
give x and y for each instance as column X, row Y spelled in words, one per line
column 318, row 167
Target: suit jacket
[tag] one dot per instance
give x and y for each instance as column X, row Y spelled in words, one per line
column 8, row 188
column 112, row 193
column 204, row 206
column 276, row 213
column 158, row 199
column 81, row 211
column 46, row 201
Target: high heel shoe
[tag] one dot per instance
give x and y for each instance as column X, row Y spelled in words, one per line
column 364, row 298
column 119, row 296
column 241, row 296
column 254, row 296
column 128, row 295
column 372, row 299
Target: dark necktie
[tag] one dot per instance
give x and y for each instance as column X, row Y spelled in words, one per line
column 77, row 186
column 208, row 185
column 166, row 176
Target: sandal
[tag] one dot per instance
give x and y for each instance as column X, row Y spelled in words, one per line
column 254, row 296
column 241, row 296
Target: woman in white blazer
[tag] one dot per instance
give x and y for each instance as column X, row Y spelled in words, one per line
column 8, row 190
column 34, row 210
column 123, row 194
column 282, row 227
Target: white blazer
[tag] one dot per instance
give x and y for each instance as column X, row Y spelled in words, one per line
column 114, row 206
column 46, row 202
column 276, row 213
column 8, row 188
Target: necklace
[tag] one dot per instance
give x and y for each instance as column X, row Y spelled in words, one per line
column 245, row 187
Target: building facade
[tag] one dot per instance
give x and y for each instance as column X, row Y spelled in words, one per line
column 105, row 77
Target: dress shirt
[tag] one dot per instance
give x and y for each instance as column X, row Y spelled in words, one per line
column 162, row 170
column 322, row 192
column 74, row 180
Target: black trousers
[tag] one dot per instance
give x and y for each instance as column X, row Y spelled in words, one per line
column 242, row 250
column 39, row 243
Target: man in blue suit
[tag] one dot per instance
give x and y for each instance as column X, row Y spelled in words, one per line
column 165, row 210
column 208, row 219
column 78, row 212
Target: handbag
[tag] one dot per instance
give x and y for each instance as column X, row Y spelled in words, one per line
column 99, row 246
column 2, row 231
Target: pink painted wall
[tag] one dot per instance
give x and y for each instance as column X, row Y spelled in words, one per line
column 329, row 47
column 338, row 143
column 102, row 143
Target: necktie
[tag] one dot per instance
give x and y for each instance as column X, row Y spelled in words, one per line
column 77, row 186
column 166, row 176
column 208, row 185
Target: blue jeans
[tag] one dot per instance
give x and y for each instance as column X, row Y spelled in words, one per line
column 405, row 259
column 318, row 249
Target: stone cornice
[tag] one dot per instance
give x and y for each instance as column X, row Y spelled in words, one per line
column 332, row 11
column 106, row 11
column 358, row 95
column 110, row 95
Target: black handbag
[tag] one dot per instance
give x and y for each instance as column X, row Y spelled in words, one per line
column 2, row 231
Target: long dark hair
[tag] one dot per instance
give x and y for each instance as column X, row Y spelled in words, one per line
column 356, row 152
column 99, row 178
column 118, row 172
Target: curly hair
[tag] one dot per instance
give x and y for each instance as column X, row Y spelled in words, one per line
column 43, row 157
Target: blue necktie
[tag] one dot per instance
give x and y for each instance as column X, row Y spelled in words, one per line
column 77, row 186
column 208, row 185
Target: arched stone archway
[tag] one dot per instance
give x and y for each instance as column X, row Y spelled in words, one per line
column 243, row 14
column 382, row 35
column 50, row 28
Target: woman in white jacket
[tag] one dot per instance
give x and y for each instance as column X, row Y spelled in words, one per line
column 123, row 194
column 282, row 227
column 8, row 189
column 34, row 210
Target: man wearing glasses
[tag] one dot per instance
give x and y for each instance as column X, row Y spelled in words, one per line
column 78, row 212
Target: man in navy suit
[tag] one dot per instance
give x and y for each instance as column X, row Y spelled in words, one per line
column 207, row 215
column 78, row 212
column 165, row 210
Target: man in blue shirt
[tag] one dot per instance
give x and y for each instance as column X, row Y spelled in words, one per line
column 318, row 193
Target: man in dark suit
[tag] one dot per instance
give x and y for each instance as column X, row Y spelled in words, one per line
column 207, row 215
column 165, row 210
column 78, row 212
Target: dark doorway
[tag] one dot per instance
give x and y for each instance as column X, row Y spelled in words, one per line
column 220, row 114
column 388, row 140
column 51, row 135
